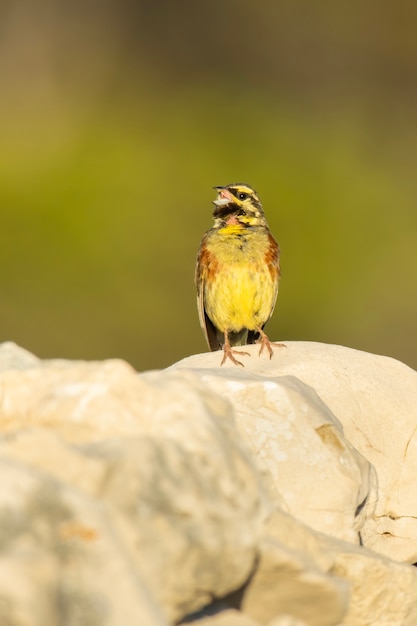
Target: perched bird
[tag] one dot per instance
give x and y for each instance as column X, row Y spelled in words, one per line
column 237, row 273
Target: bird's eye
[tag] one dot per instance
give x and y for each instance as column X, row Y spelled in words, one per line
column 243, row 196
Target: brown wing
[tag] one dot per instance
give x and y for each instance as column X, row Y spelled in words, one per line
column 205, row 265
column 272, row 260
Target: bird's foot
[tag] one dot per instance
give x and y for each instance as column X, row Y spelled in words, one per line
column 265, row 343
column 228, row 353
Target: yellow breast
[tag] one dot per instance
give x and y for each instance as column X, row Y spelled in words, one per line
column 242, row 292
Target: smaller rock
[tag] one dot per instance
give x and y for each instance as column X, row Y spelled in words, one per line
column 383, row 592
column 312, row 470
column 293, row 578
column 13, row 357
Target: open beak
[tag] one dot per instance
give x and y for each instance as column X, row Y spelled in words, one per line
column 224, row 197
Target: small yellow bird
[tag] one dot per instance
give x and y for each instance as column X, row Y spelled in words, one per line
column 237, row 273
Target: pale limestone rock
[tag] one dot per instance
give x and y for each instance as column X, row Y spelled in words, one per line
column 287, row 581
column 304, row 578
column 129, row 499
column 381, row 591
column 59, row 563
column 13, row 357
column 147, row 482
column 313, row 471
column 375, row 399
column 295, row 577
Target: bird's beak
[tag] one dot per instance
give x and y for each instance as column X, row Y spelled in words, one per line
column 224, row 197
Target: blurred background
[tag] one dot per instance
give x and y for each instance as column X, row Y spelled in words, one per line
column 118, row 117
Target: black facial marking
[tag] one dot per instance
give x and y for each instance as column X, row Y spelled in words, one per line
column 243, row 195
column 240, row 195
column 226, row 210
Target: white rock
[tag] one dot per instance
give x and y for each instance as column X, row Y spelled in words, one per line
column 293, row 579
column 381, row 591
column 129, row 499
column 13, row 356
column 375, row 399
column 152, row 465
column 58, row 558
column 314, row 472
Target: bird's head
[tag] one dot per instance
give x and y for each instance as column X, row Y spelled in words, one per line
column 239, row 204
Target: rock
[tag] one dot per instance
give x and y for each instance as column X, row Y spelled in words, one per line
column 146, row 481
column 383, row 591
column 375, row 589
column 313, row 471
column 305, row 578
column 13, row 357
column 205, row 494
column 293, row 577
column 59, row 563
column 375, row 399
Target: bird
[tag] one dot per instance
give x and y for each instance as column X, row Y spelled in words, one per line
column 237, row 273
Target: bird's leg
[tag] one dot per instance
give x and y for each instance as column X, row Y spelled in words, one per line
column 229, row 352
column 265, row 343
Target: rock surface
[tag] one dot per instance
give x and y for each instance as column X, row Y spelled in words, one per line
column 300, row 448
column 148, row 470
column 375, row 399
column 138, row 499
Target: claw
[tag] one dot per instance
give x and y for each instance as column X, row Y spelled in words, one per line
column 265, row 343
column 229, row 352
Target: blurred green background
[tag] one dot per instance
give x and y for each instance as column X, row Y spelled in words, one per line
column 117, row 118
